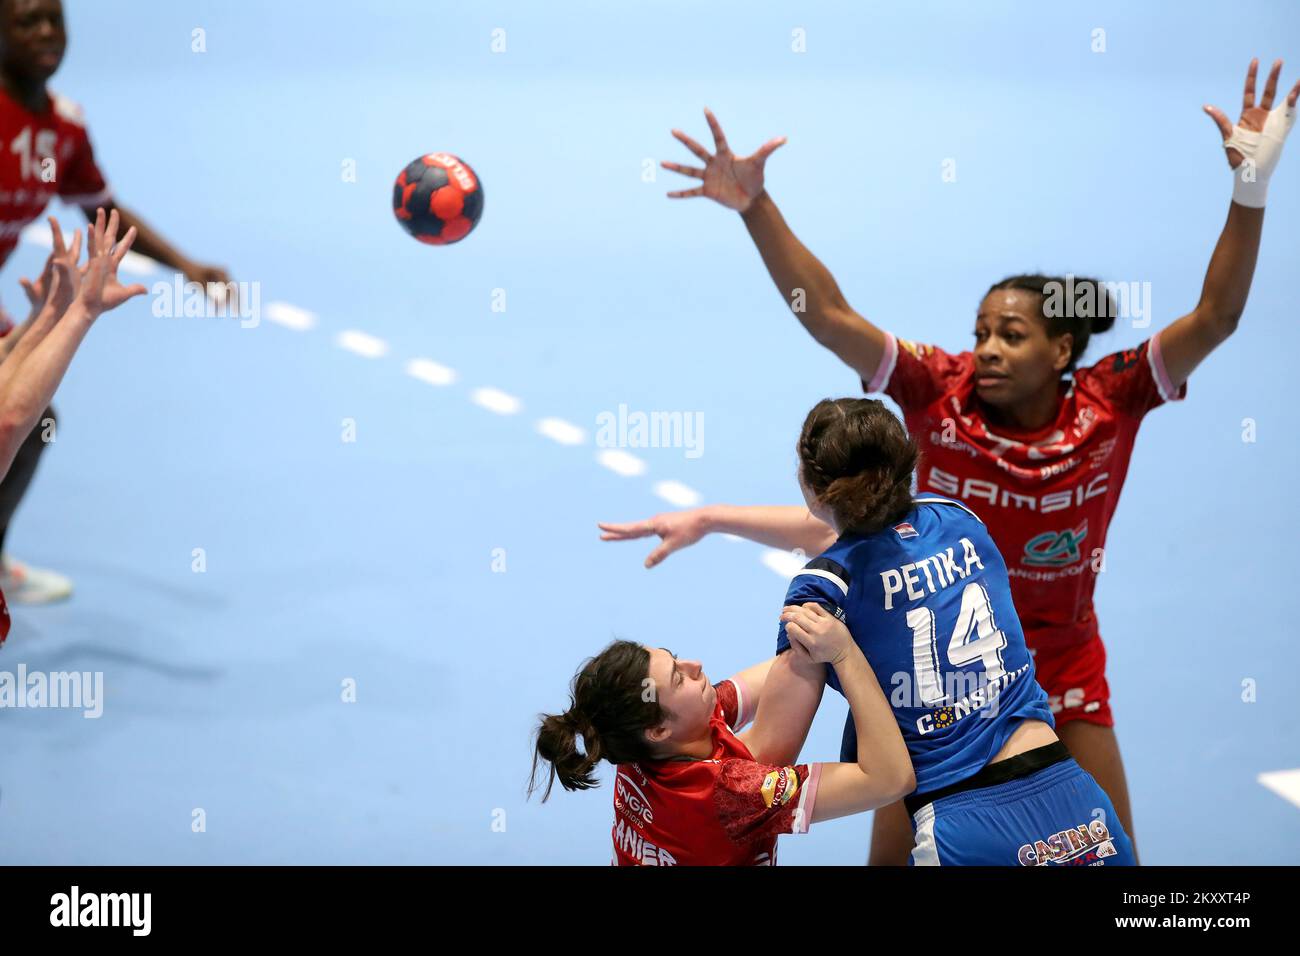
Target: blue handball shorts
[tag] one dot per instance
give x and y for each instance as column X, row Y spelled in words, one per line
column 1053, row 815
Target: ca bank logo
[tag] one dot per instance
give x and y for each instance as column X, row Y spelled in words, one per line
column 1055, row 549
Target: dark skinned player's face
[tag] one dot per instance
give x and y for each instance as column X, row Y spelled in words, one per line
column 32, row 38
column 1015, row 358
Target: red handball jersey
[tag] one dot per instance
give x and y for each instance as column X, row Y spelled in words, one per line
column 1047, row 495
column 42, row 155
column 724, row 811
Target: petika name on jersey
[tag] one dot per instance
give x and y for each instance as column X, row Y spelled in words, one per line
column 943, row 567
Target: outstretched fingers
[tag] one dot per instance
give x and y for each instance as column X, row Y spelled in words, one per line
column 1270, row 85
column 699, row 151
column 719, row 139
column 123, row 247
column 1248, row 97
column 692, row 171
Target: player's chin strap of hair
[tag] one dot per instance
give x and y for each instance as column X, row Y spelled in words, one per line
column 1260, row 152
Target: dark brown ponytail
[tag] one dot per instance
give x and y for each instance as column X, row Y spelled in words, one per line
column 611, row 703
column 857, row 459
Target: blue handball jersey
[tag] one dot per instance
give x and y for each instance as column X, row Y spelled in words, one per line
column 929, row 603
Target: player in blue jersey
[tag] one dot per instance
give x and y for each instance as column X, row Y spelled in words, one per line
column 925, row 593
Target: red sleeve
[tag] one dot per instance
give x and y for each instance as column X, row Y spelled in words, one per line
column 1133, row 381
column 737, row 702
column 916, row 375
column 756, row 801
column 81, row 183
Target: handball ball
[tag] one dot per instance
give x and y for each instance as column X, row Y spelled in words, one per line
column 438, row 199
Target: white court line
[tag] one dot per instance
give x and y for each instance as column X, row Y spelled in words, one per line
column 785, row 563
column 290, row 316
column 676, row 493
column 557, row 429
column 1285, row 783
column 495, row 400
column 367, row 346
column 427, row 370
column 621, row 463
column 139, row 265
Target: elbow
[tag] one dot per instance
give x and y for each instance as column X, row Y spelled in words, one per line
column 1222, row 321
column 901, row 779
column 906, row 782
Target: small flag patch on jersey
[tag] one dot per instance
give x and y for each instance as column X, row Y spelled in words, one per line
column 905, row 530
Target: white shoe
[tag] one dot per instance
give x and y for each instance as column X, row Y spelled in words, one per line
column 26, row 585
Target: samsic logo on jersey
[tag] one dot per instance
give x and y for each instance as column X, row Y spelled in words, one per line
column 1085, row 845
column 779, row 787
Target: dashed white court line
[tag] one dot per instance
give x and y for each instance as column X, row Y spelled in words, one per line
column 1285, row 783
column 785, row 563
column 621, row 463
column 367, row 346
column 290, row 316
column 558, row 430
column 676, row 493
column 427, row 370
column 495, row 400
column 139, row 265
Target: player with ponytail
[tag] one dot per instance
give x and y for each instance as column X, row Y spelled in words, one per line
column 1014, row 427
column 690, row 786
column 927, row 598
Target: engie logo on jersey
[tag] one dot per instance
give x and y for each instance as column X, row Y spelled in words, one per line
column 629, row 800
column 1085, row 845
column 779, row 787
column 905, row 530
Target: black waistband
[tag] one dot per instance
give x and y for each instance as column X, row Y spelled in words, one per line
column 1004, row 771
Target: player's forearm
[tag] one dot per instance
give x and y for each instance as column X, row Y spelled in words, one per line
column 804, row 282
column 1232, row 268
column 788, row 527
column 19, row 343
column 35, row 379
column 882, row 755
column 148, row 241
column 791, row 693
column 811, row 291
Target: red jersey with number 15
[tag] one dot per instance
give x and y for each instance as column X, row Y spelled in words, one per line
column 43, row 154
column 724, row 811
column 1046, row 495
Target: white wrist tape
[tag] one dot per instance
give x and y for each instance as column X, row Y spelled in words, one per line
column 1260, row 152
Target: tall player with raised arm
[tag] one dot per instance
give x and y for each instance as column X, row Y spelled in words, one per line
column 45, row 151
column 1041, row 453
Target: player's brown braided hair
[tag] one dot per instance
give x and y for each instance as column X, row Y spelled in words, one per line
column 609, row 709
column 857, row 459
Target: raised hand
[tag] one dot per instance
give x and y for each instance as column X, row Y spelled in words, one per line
column 1254, row 145
column 1253, row 117
column 100, row 289
column 677, row 529
column 734, row 181
column 60, row 279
